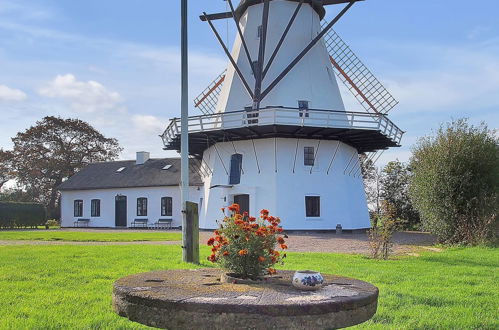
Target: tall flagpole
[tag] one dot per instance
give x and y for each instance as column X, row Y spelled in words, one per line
column 184, row 139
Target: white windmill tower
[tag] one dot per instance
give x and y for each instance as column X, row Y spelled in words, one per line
column 274, row 132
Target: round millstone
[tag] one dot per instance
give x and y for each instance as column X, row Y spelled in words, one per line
column 197, row 299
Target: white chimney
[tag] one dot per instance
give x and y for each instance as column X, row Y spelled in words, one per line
column 142, row 157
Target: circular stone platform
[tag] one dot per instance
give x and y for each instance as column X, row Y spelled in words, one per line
column 196, row 299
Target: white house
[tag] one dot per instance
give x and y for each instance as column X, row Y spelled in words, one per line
column 115, row 194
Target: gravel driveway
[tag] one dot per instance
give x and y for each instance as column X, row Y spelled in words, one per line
column 356, row 243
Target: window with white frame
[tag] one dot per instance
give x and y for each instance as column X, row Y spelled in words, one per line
column 78, row 208
column 166, row 206
column 141, row 206
column 95, row 207
column 308, row 156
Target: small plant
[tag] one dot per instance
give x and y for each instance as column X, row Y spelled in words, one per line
column 52, row 223
column 380, row 235
column 247, row 246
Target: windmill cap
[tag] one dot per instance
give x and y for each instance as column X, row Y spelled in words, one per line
column 315, row 4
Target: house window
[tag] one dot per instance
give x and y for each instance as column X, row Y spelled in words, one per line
column 95, row 207
column 141, row 207
column 78, row 208
column 303, row 106
column 308, row 156
column 166, row 206
column 236, row 162
column 312, row 206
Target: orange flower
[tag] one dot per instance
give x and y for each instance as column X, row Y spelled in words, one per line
column 243, row 252
column 234, row 208
column 271, row 271
column 261, row 259
column 264, row 212
column 211, row 241
column 284, row 246
column 226, row 253
column 280, row 240
column 252, row 219
column 279, row 229
column 217, row 232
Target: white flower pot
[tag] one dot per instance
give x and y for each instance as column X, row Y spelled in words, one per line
column 308, row 280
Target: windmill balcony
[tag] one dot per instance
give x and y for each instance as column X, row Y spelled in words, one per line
column 366, row 132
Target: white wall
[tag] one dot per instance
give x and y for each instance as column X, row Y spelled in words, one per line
column 312, row 79
column 107, row 197
column 277, row 188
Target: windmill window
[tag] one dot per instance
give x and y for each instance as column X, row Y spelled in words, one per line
column 78, row 208
column 166, row 167
column 308, row 156
column 251, row 113
column 313, row 206
column 260, row 31
column 303, row 106
column 236, row 163
column 95, row 207
column 142, row 206
column 121, row 169
column 166, row 206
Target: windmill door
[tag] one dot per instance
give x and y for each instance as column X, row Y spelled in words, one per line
column 243, row 201
column 120, row 211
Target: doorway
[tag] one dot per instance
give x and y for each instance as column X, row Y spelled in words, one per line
column 120, row 211
column 243, row 201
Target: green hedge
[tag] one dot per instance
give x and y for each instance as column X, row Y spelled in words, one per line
column 16, row 215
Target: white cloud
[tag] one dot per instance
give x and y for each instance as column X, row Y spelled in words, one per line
column 150, row 124
column 11, row 94
column 89, row 96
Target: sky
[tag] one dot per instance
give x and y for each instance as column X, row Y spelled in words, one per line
column 116, row 63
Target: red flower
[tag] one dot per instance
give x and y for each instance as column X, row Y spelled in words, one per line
column 211, row 241
column 212, row 258
column 280, row 240
column 284, row 246
column 271, row 271
column 252, row 219
column 234, row 208
column 261, row 259
column 243, row 252
column 226, row 253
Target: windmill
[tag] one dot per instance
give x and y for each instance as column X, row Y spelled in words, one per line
column 278, row 101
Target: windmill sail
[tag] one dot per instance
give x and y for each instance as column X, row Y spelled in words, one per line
column 366, row 88
column 206, row 102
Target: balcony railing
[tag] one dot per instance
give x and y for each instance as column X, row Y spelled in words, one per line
column 288, row 117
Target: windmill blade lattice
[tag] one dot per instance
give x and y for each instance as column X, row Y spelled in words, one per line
column 366, row 88
column 206, row 102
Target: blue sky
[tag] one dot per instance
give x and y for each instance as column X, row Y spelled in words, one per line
column 115, row 63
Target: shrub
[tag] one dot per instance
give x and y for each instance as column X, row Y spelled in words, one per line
column 455, row 182
column 52, row 223
column 246, row 246
column 383, row 227
column 14, row 214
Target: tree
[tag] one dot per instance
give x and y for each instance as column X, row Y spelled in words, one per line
column 5, row 167
column 394, row 180
column 372, row 186
column 53, row 150
column 455, row 182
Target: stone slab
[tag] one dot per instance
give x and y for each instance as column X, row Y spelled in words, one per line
column 197, row 299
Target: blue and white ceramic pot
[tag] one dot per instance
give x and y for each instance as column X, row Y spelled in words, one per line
column 308, row 280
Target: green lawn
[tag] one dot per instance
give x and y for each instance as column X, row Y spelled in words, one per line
column 69, row 287
column 75, row 236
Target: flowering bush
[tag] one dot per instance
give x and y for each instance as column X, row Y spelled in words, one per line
column 247, row 246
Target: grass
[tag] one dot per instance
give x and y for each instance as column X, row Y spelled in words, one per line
column 69, row 287
column 78, row 236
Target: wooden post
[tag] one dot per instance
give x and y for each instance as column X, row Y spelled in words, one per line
column 192, row 233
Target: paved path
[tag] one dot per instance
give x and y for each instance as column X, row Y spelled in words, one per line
column 297, row 242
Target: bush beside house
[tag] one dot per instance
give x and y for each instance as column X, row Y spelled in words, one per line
column 21, row 215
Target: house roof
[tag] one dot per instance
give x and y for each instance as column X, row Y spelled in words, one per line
column 150, row 174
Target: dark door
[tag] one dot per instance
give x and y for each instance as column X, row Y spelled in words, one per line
column 243, row 201
column 120, row 211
